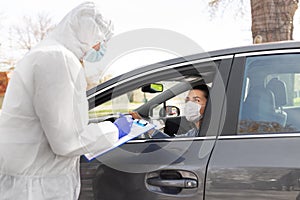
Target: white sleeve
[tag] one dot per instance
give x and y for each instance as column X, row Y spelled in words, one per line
column 61, row 105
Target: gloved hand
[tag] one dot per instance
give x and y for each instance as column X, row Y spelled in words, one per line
column 124, row 125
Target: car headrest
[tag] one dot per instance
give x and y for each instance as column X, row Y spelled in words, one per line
column 278, row 88
column 259, row 104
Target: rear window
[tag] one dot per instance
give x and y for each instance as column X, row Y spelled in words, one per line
column 270, row 100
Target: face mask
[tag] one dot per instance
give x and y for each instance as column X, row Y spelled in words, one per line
column 94, row 56
column 192, row 111
column 92, row 72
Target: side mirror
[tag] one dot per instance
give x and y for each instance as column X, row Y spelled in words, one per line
column 170, row 111
column 153, row 88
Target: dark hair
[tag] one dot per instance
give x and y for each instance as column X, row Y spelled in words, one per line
column 203, row 88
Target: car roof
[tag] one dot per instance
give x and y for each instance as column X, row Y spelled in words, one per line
column 257, row 47
column 216, row 53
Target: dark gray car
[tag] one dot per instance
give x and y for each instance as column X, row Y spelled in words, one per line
column 247, row 146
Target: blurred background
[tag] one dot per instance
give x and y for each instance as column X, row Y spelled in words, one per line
column 213, row 24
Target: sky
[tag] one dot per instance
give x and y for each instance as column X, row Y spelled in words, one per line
column 190, row 18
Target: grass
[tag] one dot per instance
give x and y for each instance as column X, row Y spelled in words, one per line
column 297, row 101
column 107, row 108
column 99, row 113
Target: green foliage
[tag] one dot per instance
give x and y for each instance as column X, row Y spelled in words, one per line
column 297, row 101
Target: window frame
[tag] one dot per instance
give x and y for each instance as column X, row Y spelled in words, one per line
column 222, row 63
column 234, row 95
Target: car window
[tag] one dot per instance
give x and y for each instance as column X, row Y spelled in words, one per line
column 270, row 100
column 129, row 102
column 163, row 108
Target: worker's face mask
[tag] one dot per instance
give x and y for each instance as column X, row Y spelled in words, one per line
column 93, row 71
column 94, row 56
column 192, row 111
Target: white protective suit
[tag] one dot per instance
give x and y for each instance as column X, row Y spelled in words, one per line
column 44, row 121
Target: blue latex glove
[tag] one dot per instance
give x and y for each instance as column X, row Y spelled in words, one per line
column 124, row 125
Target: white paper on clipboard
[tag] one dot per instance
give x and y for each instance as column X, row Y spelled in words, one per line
column 138, row 127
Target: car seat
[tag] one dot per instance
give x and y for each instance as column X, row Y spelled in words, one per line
column 278, row 88
column 177, row 125
column 259, row 106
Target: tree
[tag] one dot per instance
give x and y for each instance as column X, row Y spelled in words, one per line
column 32, row 30
column 272, row 20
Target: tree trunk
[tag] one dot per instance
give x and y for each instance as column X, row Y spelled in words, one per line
column 272, row 20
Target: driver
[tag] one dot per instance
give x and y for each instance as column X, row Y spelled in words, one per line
column 195, row 104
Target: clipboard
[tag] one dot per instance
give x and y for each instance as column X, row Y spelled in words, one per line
column 139, row 127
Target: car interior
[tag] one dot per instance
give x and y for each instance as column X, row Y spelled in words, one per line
column 160, row 103
column 171, row 116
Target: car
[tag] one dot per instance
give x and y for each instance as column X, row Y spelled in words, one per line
column 248, row 143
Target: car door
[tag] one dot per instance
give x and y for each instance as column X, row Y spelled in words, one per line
column 257, row 155
column 163, row 168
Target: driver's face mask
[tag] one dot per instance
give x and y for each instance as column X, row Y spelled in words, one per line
column 192, row 111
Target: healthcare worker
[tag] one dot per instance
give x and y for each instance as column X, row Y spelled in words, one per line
column 44, row 121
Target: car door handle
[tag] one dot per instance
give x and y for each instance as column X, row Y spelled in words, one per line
column 179, row 183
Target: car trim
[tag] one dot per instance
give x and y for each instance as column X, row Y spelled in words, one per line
column 267, row 52
column 227, row 137
column 159, row 69
column 172, row 139
column 258, row 135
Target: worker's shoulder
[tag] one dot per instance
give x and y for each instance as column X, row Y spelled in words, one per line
column 50, row 51
column 45, row 56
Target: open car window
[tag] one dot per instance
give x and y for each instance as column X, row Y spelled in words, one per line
column 129, row 101
column 163, row 108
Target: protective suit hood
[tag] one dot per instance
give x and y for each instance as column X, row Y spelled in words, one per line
column 75, row 25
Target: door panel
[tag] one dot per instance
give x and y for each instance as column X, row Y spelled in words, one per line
column 162, row 169
column 257, row 155
column 257, row 168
